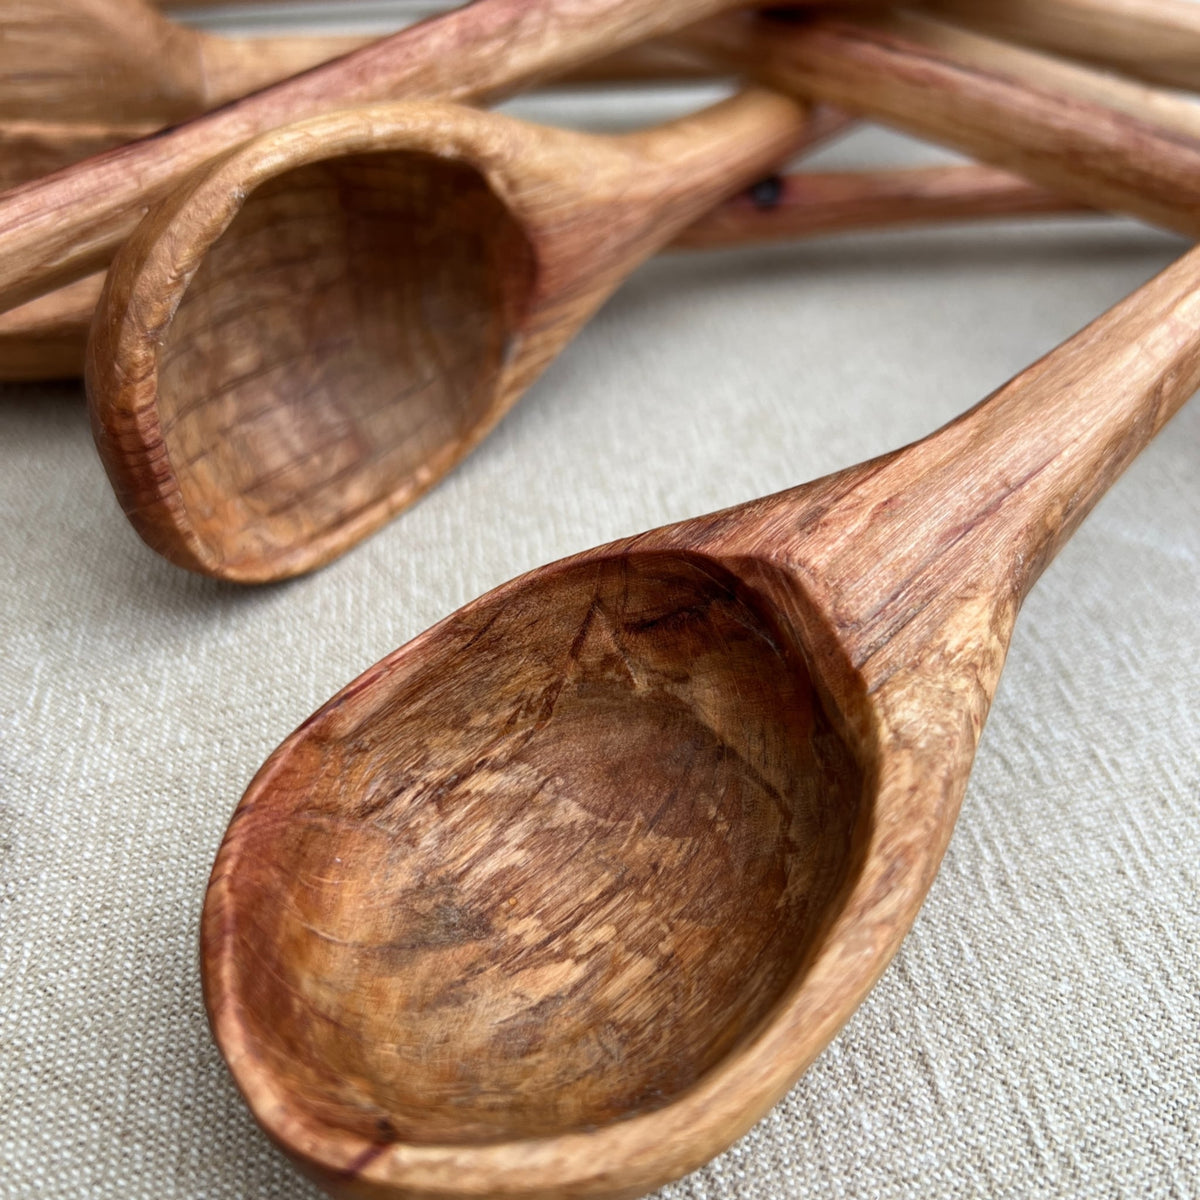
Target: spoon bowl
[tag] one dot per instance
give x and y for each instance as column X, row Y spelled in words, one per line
column 559, row 898
column 613, row 821
column 314, row 331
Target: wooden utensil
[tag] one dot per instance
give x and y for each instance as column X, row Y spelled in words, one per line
column 75, row 59
column 813, row 203
column 1158, row 40
column 559, row 898
column 46, row 338
column 1114, row 144
column 30, row 149
column 59, row 229
column 307, row 336
column 123, row 59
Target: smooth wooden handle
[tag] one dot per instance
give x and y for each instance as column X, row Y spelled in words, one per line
column 70, row 224
column 1157, row 40
column 31, row 149
column 929, row 80
column 955, row 529
column 235, row 67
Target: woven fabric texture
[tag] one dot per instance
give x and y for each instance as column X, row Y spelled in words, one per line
column 1037, row 1035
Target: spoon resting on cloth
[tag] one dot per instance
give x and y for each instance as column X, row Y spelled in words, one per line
column 305, row 338
column 559, row 898
column 236, row 452
column 59, row 229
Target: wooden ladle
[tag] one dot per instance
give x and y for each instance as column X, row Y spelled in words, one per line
column 559, row 898
column 123, row 60
column 241, row 444
column 310, row 334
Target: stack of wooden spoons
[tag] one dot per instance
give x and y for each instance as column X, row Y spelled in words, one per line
column 562, row 896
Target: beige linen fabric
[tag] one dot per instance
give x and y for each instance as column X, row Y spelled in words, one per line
column 1037, row 1035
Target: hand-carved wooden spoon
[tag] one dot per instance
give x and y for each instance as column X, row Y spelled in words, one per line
column 1107, row 141
column 313, row 331
column 124, row 61
column 559, row 898
column 168, row 390
column 46, row 338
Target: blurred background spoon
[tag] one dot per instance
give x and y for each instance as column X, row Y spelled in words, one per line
column 123, row 61
column 47, row 338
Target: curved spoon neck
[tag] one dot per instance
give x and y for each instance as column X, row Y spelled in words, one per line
column 1033, row 459
column 937, row 544
column 662, row 179
column 596, row 208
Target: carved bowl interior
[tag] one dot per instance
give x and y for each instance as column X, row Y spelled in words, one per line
column 569, row 854
column 339, row 339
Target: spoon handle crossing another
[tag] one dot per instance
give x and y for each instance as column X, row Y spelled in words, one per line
column 46, row 338
column 1158, row 40
column 68, row 225
column 1112, row 144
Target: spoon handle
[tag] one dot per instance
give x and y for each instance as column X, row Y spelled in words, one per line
column 1067, row 128
column 71, row 223
column 812, row 203
column 1158, row 40
column 957, row 527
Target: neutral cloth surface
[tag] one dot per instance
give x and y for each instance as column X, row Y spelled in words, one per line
column 1039, row 1032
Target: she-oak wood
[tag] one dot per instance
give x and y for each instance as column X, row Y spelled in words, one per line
column 60, row 229
column 121, row 60
column 559, row 898
column 1158, row 40
column 309, row 336
column 1108, row 142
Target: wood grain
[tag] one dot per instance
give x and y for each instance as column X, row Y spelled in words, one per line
column 123, row 61
column 58, row 229
column 560, row 897
column 1071, row 130
column 1157, row 40
column 47, row 338
column 30, row 149
column 815, row 203
column 312, row 332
